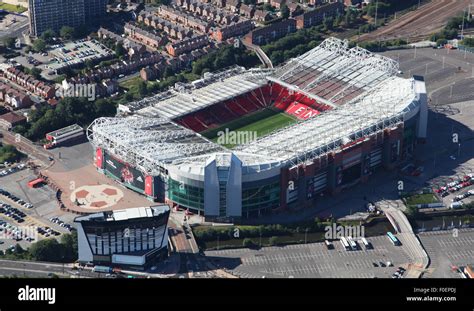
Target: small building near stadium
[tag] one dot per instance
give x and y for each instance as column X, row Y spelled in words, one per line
column 133, row 237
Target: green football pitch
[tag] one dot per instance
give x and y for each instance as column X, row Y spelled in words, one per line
column 261, row 122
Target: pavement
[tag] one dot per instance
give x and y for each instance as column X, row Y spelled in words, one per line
column 419, row 259
column 312, row 260
column 13, row 25
column 37, row 269
column 24, row 145
column 448, row 248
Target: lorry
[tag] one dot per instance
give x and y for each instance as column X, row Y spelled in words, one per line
column 102, row 269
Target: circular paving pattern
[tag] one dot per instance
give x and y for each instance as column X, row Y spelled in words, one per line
column 96, row 196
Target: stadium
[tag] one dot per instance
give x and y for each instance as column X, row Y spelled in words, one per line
column 324, row 121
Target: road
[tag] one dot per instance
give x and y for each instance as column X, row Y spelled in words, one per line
column 192, row 263
column 26, row 146
column 410, row 242
column 39, row 269
column 16, row 30
column 421, row 23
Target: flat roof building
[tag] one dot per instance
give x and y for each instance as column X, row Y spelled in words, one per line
column 54, row 14
column 135, row 237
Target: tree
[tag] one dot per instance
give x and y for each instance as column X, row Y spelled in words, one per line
column 46, row 250
column 268, row 7
column 119, row 50
column 328, row 23
column 105, row 108
column 247, row 243
column 163, row 2
column 48, row 35
column 350, row 17
column 19, row 250
column 35, row 72
column 468, row 42
column 285, row 11
column 67, row 32
column 39, row 45
column 9, row 153
column 273, row 241
column 142, row 90
column 69, row 244
column 168, row 72
column 412, row 211
column 9, row 42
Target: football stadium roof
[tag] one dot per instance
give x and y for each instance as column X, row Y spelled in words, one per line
column 332, row 73
column 211, row 89
column 363, row 89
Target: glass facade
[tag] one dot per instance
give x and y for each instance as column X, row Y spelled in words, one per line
column 261, row 197
column 186, row 195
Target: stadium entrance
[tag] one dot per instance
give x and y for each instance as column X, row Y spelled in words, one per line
column 351, row 174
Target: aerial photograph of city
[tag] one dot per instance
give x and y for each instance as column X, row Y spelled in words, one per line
column 277, row 143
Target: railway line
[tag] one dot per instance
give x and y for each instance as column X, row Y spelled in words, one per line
column 419, row 24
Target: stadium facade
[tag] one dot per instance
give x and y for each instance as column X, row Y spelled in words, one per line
column 353, row 116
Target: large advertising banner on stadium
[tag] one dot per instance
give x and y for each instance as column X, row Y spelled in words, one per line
column 126, row 173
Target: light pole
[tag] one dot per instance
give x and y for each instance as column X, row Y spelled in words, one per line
column 305, row 235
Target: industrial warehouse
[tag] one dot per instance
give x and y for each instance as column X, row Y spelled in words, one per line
column 349, row 114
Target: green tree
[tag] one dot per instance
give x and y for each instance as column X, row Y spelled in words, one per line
column 412, row 211
column 70, row 247
column 35, row 72
column 19, row 250
column 328, row 23
column 468, row 42
column 105, row 108
column 142, row 90
column 285, row 11
column 47, row 250
column 39, row 45
column 119, row 50
column 268, row 7
column 168, row 72
column 48, row 35
column 350, row 17
column 9, row 153
column 273, row 241
column 67, row 32
column 247, row 243
column 9, row 42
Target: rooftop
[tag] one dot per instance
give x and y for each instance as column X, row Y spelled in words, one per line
column 368, row 98
column 126, row 214
column 211, row 89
